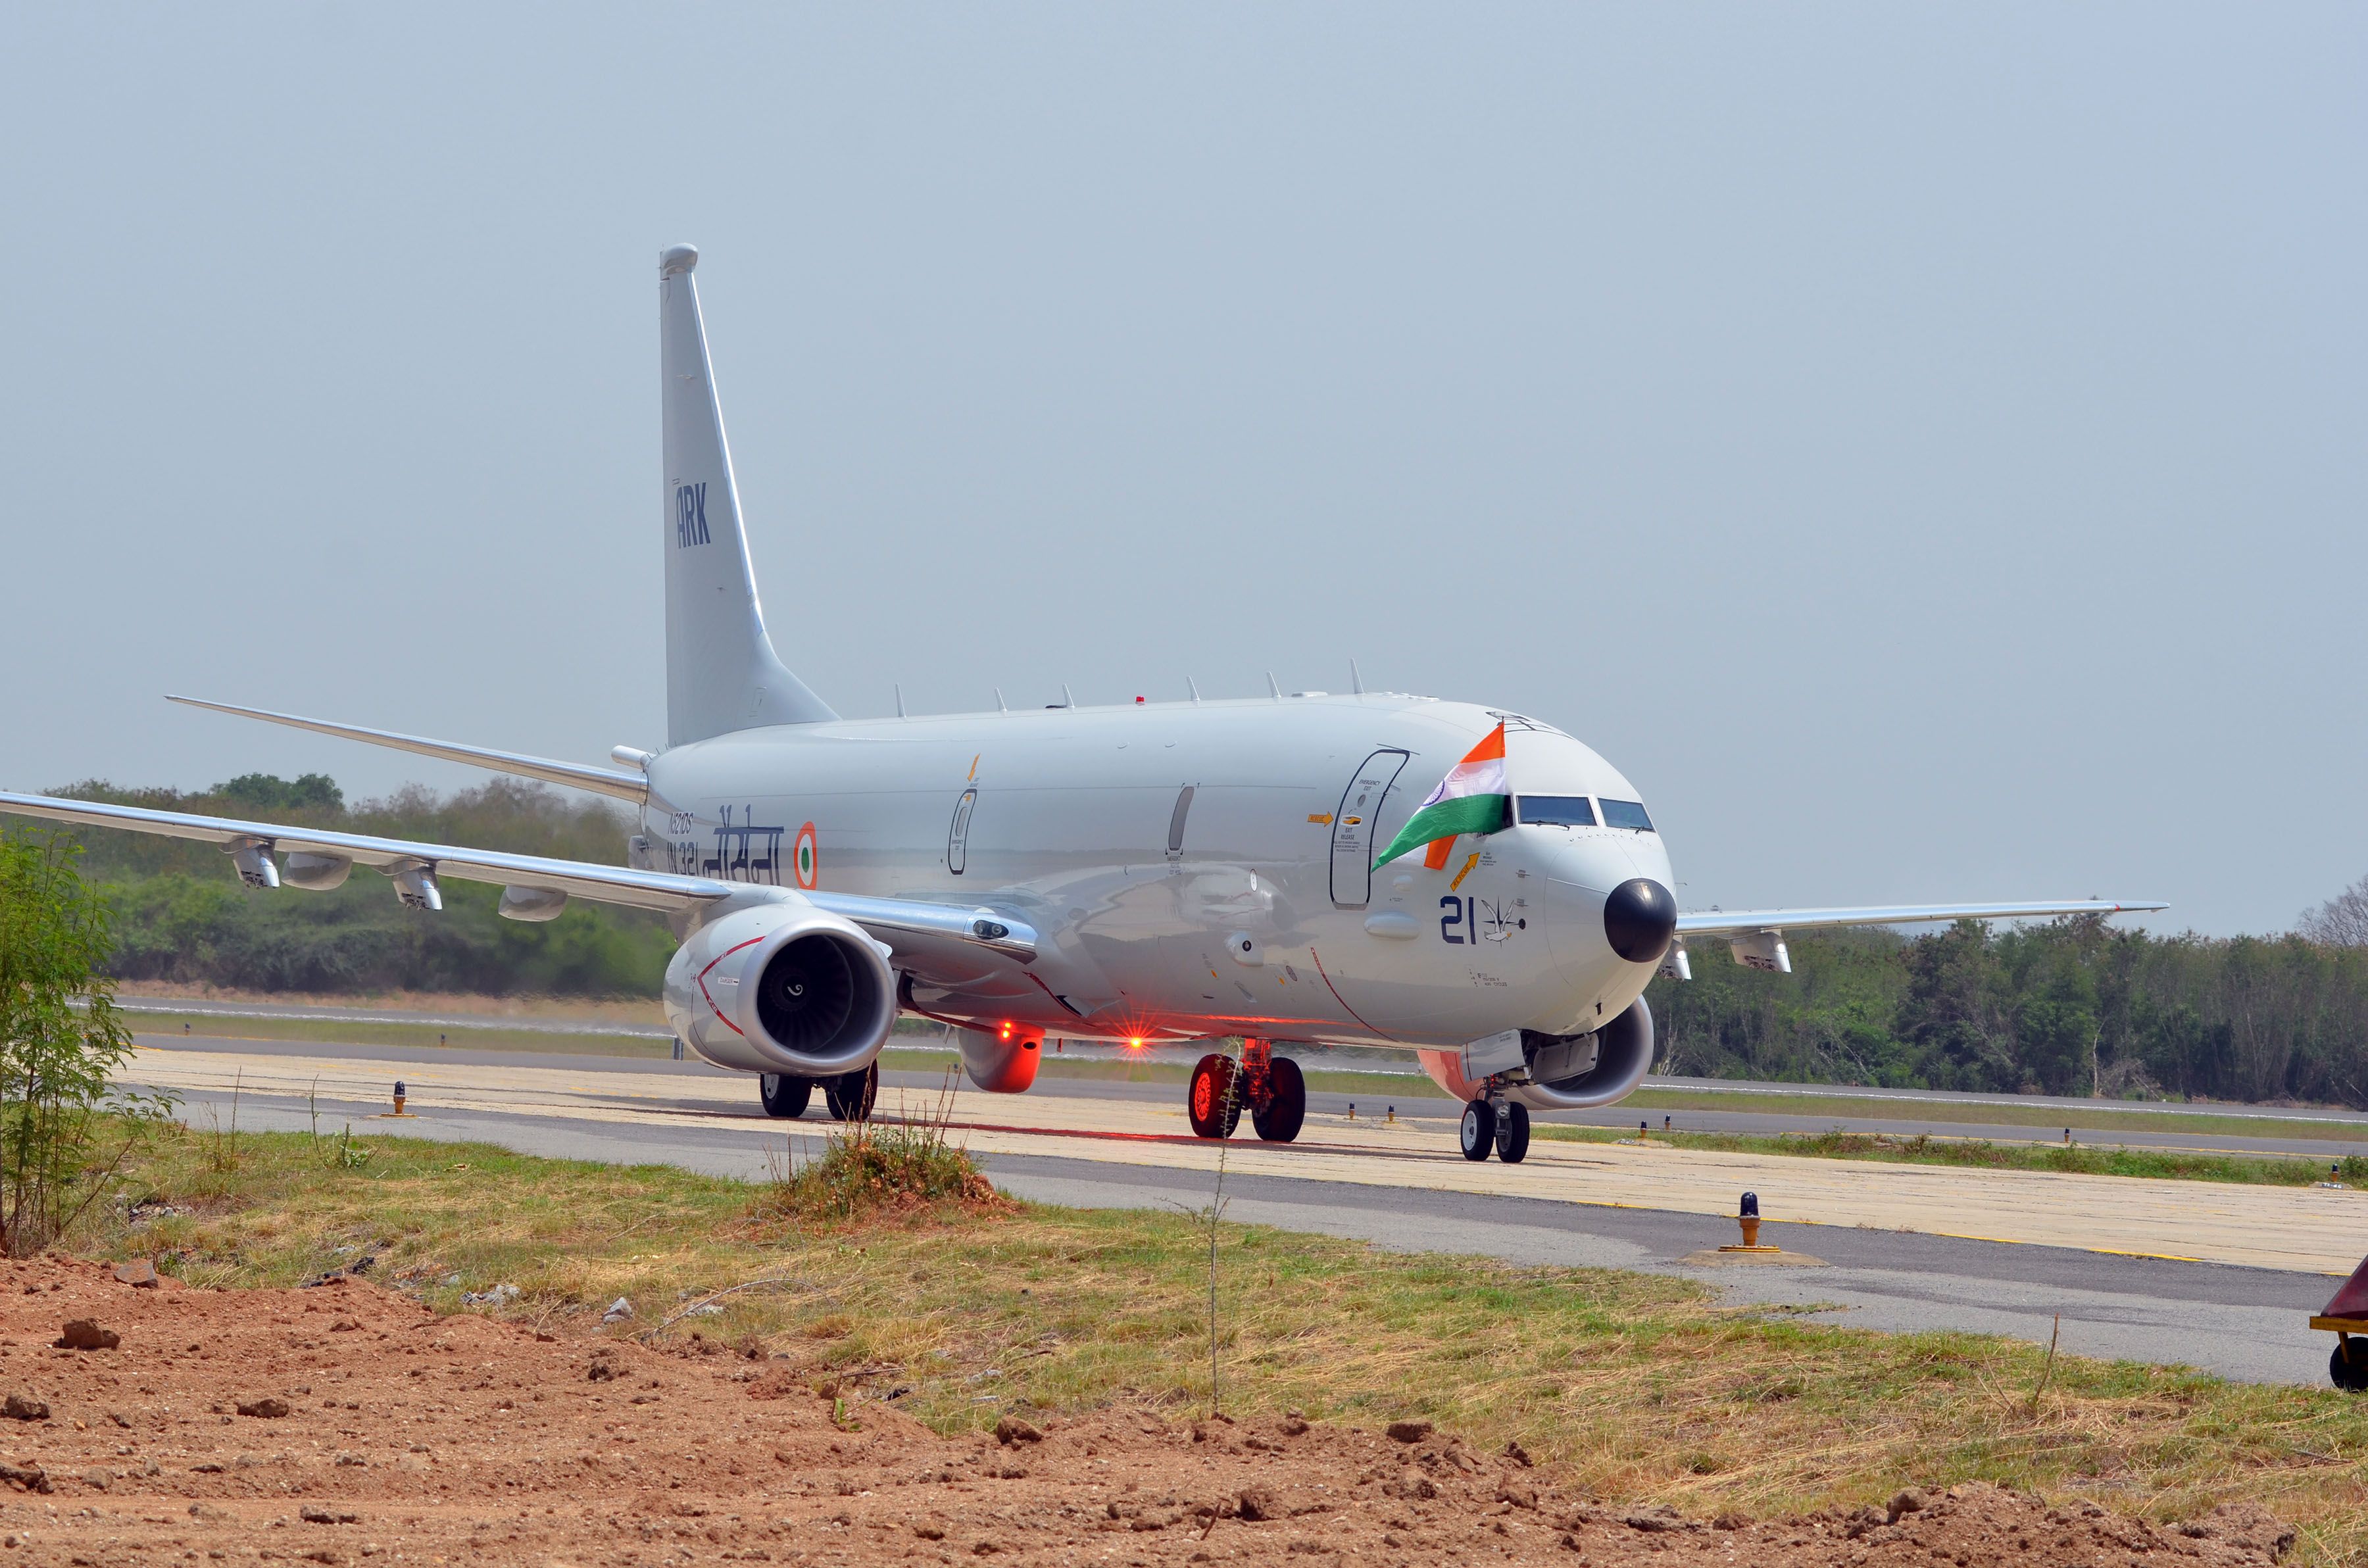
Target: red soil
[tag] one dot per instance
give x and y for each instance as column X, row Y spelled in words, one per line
column 414, row 1438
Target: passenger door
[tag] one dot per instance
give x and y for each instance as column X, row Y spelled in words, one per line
column 958, row 833
column 1352, row 828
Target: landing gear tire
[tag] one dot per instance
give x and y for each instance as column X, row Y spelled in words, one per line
column 1214, row 1104
column 1279, row 1120
column 849, row 1095
column 2349, row 1373
column 784, row 1095
column 1479, row 1129
column 1513, row 1132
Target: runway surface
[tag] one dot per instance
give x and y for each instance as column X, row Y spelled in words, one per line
column 2215, row 1275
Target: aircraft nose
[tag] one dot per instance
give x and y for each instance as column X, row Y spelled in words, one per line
column 1639, row 918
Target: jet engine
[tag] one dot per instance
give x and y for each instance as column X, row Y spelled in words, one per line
column 1576, row 1072
column 781, row 987
column 1001, row 1061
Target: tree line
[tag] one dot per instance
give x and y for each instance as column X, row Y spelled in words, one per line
column 2076, row 1008
column 180, row 914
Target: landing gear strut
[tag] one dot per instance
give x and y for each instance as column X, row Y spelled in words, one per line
column 1272, row 1088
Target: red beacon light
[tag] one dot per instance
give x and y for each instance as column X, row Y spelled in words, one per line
column 1138, row 699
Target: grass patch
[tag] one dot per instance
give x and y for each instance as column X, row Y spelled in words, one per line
column 402, row 1037
column 1634, row 1386
column 2226, row 1121
column 1922, row 1149
column 876, row 1168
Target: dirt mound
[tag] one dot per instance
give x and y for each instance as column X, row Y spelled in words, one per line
column 345, row 1424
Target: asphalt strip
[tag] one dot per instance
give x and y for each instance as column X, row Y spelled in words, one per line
column 2246, row 1324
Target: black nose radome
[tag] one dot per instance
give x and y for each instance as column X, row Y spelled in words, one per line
column 1639, row 919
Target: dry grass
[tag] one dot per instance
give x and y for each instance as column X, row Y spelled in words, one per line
column 1636, row 1386
column 881, row 1168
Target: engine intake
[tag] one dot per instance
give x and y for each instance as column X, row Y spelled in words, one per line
column 1622, row 1055
column 782, row 987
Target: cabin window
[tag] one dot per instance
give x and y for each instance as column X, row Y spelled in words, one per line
column 1558, row 810
column 1626, row 813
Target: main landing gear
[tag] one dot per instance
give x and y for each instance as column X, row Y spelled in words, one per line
column 849, row 1095
column 1269, row 1086
column 1501, row 1125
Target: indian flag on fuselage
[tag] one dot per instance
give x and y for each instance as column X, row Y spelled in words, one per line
column 1473, row 797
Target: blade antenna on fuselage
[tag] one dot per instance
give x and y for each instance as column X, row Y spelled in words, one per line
column 1274, row 685
column 1192, row 686
column 1356, row 681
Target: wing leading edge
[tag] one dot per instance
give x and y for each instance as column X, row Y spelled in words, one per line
column 1721, row 923
column 895, row 921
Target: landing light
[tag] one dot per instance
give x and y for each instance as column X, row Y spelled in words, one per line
column 1135, row 1042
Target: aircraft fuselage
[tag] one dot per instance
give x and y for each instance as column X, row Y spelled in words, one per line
column 1193, row 869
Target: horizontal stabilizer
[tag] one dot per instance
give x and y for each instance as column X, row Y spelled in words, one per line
column 632, row 787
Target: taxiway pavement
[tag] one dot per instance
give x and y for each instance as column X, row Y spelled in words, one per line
column 2215, row 1275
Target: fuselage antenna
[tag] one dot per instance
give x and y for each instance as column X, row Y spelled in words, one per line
column 1066, row 701
column 1272, row 686
column 1191, row 687
column 999, row 708
column 900, row 700
column 1356, row 681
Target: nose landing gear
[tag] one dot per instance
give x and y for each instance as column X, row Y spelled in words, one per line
column 849, row 1095
column 1271, row 1087
column 1502, row 1126
column 784, row 1095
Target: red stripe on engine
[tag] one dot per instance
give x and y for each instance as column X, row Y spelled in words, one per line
column 751, row 942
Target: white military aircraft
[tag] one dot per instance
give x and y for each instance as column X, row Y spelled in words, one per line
column 1372, row 869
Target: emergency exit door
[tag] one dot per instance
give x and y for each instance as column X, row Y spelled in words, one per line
column 1353, row 841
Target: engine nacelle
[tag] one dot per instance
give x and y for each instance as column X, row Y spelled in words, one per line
column 1579, row 1072
column 1002, row 1061
column 781, row 987
column 1566, row 1071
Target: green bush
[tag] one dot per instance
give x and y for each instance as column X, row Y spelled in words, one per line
column 61, row 1040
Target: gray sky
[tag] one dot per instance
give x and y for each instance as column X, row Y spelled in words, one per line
column 1922, row 446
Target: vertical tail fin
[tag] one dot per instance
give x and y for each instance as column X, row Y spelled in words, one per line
column 722, row 673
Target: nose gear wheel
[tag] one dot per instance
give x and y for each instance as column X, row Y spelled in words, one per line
column 850, row 1094
column 784, row 1094
column 1512, row 1132
column 1479, row 1129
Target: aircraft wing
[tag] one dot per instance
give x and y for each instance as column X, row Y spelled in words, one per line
column 910, row 925
column 1722, row 922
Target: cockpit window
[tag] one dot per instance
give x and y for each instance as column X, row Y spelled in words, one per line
column 1626, row 813
column 1558, row 810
